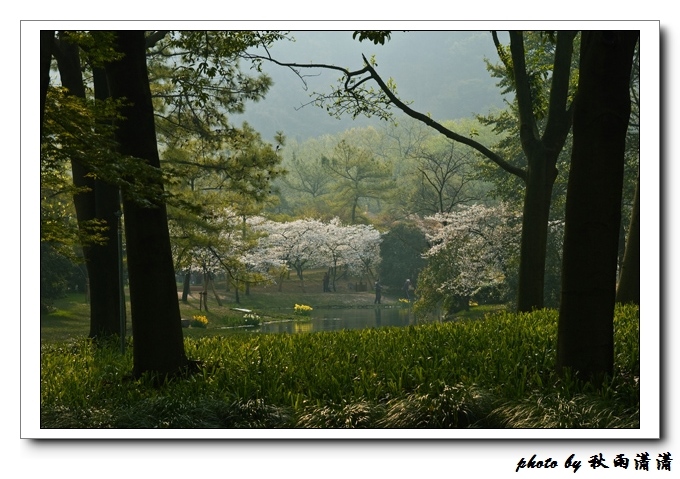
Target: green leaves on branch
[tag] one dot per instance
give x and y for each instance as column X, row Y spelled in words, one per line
column 376, row 36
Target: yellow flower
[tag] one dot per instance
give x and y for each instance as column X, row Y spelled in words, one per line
column 302, row 309
column 199, row 321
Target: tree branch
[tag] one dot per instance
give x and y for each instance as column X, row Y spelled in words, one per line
column 350, row 90
column 528, row 130
column 442, row 129
column 559, row 113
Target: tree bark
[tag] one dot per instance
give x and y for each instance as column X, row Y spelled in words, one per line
column 104, row 271
column 46, row 45
column 593, row 211
column 96, row 201
column 542, row 153
column 158, row 343
column 540, row 179
column 628, row 289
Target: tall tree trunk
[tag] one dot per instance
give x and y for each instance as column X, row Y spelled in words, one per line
column 46, row 45
column 585, row 343
column 542, row 153
column 158, row 343
column 96, row 201
column 104, row 270
column 628, row 289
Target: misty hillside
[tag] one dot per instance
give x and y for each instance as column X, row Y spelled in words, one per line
column 440, row 72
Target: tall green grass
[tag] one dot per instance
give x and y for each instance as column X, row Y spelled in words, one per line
column 490, row 373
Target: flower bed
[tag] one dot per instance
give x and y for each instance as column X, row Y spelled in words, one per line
column 303, row 309
column 199, row 321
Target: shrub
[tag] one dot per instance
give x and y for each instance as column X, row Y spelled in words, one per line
column 251, row 319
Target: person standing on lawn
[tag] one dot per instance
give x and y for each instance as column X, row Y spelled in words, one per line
column 378, row 291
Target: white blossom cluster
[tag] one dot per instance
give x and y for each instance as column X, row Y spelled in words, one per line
column 312, row 243
column 471, row 246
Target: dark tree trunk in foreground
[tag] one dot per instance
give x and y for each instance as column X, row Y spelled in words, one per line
column 536, row 213
column 628, row 289
column 593, row 210
column 158, row 343
column 95, row 201
column 46, row 44
column 103, row 271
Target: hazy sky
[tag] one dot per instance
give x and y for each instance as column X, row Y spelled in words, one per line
column 441, row 72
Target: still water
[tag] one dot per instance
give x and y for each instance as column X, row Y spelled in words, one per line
column 339, row 319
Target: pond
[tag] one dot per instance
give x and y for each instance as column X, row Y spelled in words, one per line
column 339, row 319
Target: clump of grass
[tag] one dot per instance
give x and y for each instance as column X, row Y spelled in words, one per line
column 454, row 407
column 356, row 414
column 183, row 413
column 556, row 411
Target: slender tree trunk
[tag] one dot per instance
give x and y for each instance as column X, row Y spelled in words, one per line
column 585, row 342
column 542, row 153
column 541, row 176
column 158, row 343
column 628, row 289
column 212, row 286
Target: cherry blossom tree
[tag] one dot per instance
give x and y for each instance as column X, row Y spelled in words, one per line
column 294, row 243
column 471, row 251
column 364, row 249
column 311, row 243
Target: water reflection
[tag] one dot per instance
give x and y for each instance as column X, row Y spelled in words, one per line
column 339, row 319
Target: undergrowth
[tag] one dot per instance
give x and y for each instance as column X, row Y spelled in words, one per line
column 493, row 373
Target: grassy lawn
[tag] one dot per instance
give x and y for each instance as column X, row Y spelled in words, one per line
column 70, row 319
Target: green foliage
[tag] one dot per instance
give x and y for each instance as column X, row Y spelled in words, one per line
column 216, row 174
column 539, row 50
column 401, row 252
column 58, row 274
column 80, row 130
column 490, row 373
column 376, row 36
column 358, row 175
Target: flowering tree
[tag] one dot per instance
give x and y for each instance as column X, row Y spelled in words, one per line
column 294, row 244
column 471, row 251
column 309, row 243
column 364, row 249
